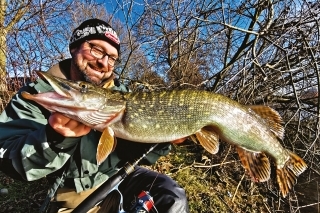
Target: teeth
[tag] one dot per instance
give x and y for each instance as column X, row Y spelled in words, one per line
column 96, row 70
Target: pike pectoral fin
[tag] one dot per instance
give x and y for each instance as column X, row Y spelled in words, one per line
column 256, row 164
column 106, row 145
column 287, row 176
column 271, row 117
column 207, row 138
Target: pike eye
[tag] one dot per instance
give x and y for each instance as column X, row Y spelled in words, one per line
column 83, row 88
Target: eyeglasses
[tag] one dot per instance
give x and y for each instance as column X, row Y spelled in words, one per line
column 100, row 54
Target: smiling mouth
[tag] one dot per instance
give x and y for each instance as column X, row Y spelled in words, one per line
column 96, row 68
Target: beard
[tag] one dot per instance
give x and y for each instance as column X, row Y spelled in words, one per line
column 85, row 75
column 87, row 68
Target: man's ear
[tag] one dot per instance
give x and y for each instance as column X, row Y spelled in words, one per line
column 73, row 50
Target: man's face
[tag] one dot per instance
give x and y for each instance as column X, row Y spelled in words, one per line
column 94, row 69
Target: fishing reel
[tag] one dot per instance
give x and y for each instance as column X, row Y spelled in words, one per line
column 109, row 193
column 143, row 203
column 113, row 203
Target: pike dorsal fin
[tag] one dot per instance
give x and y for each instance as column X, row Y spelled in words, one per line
column 207, row 138
column 107, row 144
column 271, row 117
column 256, row 164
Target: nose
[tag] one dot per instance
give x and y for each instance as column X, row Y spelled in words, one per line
column 104, row 62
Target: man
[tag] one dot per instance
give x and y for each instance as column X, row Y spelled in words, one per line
column 35, row 143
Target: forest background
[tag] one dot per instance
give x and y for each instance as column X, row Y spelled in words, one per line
column 253, row 51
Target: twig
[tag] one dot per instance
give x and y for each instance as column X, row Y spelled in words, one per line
column 227, row 153
column 225, row 203
column 312, row 204
column 266, row 206
column 198, row 165
column 234, row 195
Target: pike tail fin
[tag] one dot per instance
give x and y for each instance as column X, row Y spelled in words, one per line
column 287, row 175
column 207, row 138
column 107, row 144
column 256, row 164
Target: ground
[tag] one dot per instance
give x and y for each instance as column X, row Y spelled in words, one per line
column 214, row 183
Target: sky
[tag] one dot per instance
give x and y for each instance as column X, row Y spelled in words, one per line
column 120, row 7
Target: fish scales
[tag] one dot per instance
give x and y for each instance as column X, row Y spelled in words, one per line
column 179, row 114
column 165, row 111
column 173, row 116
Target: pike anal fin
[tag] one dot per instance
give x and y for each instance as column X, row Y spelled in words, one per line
column 107, row 144
column 208, row 139
column 287, row 176
column 256, row 164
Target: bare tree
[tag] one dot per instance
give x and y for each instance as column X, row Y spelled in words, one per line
column 256, row 52
column 30, row 39
column 35, row 35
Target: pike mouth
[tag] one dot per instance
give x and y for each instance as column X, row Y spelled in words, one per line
column 53, row 101
column 59, row 87
column 69, row 95
column 64, row 94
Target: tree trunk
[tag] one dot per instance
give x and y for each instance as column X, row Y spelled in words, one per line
column 3, row 47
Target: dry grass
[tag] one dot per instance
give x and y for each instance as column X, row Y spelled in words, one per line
column 214, row 183
column 22, row 197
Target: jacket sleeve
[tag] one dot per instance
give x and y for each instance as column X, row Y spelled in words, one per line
column 29, row 147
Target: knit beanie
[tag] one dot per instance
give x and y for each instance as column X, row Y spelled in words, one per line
column 94, row 29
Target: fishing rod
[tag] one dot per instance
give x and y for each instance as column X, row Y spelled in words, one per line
column 111, row 184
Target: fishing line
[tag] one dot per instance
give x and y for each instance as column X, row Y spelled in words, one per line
column 153, row 182
column 154, row 207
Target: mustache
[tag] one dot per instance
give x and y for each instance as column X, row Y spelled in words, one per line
column 97, row 66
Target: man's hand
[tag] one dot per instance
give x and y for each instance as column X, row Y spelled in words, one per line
column 66, row 126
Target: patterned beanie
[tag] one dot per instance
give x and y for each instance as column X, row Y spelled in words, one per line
column 94, row 29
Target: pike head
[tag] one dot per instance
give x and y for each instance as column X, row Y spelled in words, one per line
column 91, row 105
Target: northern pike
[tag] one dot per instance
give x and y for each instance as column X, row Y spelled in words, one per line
column 173, row 116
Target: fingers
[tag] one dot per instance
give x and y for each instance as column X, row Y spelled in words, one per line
column 66, row 126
